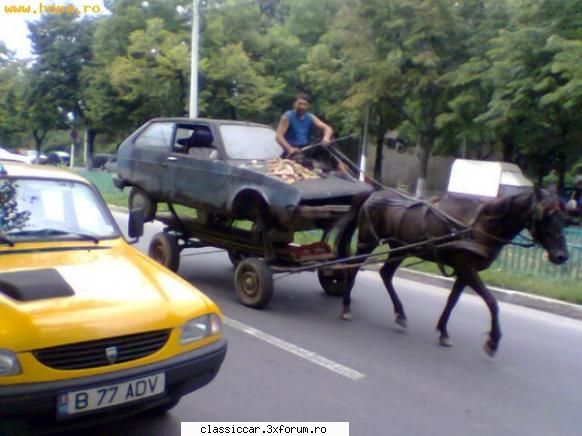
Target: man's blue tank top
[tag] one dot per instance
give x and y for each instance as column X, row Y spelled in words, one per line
column 299, row 131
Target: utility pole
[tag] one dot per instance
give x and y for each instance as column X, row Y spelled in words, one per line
column 364, row 143
column 194, row 60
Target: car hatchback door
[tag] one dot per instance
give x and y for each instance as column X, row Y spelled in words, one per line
column 151, row 156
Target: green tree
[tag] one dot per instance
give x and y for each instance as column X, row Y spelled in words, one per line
column 152, row 76
column 106, row 107
column 12, row 104
column 397, row 56
column 61, row 43
column 530, row 69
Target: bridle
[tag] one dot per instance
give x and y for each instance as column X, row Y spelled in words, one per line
column 538, row 212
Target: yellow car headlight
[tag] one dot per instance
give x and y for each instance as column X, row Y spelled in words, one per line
column 200, row 328
column 9, row 363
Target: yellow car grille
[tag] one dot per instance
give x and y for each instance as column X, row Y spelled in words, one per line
column 103, row 352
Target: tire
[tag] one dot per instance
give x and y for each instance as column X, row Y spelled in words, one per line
column 236, row 257
column 253, row 282
column 139, row 199
column 336, row 282
column 164, row 249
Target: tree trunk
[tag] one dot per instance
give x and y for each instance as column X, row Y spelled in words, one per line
column 507, row 148
column 38, row 140
column 423, row 158
column 90, row 136
column 379, row 155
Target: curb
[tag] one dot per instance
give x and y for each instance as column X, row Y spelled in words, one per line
column 545, row 304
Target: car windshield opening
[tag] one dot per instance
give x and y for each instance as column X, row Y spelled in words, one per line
column 38, row 209
column 245, row 142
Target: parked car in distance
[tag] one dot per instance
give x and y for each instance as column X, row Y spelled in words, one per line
column 102, row 160
column 59, row 158
column 89, row 326
column 221, row 167
column 32, row 154
column 6, row 155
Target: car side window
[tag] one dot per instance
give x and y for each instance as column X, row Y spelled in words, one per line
column 196, row 141
column 157, row 135
column 181, row 140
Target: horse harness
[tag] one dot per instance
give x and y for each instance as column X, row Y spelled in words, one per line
column 458, row 229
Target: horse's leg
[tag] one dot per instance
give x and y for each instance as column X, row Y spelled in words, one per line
column 472, row 279
column 346, row 314
column 387, row 273
column 456, row 292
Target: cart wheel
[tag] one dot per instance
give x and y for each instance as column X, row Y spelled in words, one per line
column 165, row 250
column 236, row 257
column 335, row 282
column 138, row 199
column 253, row 282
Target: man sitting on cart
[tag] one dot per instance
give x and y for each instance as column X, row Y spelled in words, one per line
column 295, row 127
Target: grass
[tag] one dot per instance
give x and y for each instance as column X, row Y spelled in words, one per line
column 561, row 289
column 104, row 184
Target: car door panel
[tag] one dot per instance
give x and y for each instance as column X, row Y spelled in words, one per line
column 151, row 152
column 200, row 178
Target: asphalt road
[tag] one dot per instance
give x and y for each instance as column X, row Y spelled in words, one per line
column 410, row 385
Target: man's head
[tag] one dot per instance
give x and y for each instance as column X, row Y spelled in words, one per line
column 301, row 103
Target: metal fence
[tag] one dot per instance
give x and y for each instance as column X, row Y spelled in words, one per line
column 533, row 261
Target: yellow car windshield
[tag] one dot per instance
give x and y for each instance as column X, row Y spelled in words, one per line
column 41, row 209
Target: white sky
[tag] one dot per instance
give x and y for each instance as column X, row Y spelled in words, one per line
column 13, row 30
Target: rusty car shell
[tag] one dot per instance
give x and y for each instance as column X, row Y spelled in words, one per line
column 226, row 186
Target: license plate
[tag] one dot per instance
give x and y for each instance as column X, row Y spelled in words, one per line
column 100, row 397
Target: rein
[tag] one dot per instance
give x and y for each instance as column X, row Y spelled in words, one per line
column 465, row 228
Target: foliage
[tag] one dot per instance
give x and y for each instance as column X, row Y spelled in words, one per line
column 10, row 217
column 457, row 77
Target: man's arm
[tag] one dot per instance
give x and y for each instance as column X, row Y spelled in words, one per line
column 280, row 137
column 327, row 130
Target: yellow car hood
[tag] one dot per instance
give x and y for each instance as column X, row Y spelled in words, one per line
column 118, row 291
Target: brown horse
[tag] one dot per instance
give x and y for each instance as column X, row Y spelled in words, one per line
column 482, row 227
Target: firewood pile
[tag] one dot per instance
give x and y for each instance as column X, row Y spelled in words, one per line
column 289, row 171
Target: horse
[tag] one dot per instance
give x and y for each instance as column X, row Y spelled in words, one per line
column 473, row 231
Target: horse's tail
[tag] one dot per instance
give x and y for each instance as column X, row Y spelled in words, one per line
column 346, row 226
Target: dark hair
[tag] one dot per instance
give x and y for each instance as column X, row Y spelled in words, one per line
column 302, row 96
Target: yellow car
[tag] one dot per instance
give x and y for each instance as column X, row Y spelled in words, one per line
column 88, row 324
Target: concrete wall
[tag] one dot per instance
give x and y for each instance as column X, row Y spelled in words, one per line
column 400, row 169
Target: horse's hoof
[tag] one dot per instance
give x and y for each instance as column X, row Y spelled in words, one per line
column 346, row 316
column 402, row 321
column 445, row 341
column 490, row 349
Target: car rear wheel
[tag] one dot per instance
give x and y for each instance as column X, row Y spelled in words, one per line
column 139, row 199
column 336, row 282
column 253, row 282
column 164, row 249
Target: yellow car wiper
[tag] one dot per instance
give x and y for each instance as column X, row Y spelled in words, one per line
column 86, row 236
column 48, row 232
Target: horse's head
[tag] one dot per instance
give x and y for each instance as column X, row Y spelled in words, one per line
column 546, row 225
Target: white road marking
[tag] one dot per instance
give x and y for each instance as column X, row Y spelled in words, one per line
column 310, row 356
